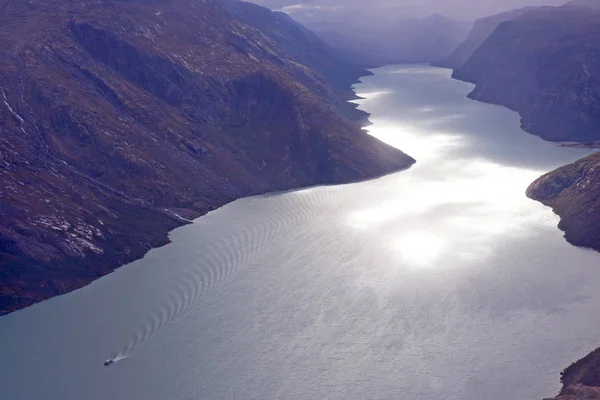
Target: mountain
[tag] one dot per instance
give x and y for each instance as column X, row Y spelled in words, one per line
column 545, row 65
column 399, row 40
column 306, row 48
column 573, row 191
column 581, row 380
column 482, row 29
column 122, row 120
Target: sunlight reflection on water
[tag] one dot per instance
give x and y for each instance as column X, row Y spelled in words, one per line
column 466, row 203
column 440, row 282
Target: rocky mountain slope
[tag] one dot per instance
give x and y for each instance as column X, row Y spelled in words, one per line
column 581, row 380
column 120, row 120
column 573, row 191
column 545, row 65
column 306, row 48
column 482, row 29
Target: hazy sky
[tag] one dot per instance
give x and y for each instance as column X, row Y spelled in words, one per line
column 465, row 9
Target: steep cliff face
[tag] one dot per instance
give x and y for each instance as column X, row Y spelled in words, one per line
column 546, row 66
column 482, row 29
column 306, row 48
column 573, row 191
column 119, row 120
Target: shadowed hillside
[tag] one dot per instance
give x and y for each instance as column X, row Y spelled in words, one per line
column 123, row 119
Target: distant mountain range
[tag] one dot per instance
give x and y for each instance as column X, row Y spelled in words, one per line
column 121, row 120
column 398, row 40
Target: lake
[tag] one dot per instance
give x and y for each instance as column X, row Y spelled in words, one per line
column 440, row 282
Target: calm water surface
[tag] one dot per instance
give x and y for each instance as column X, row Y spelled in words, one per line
column 441, row 282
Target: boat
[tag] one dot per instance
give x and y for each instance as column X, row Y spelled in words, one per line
column 109, row 362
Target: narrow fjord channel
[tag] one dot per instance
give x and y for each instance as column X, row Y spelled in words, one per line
column 440, row 282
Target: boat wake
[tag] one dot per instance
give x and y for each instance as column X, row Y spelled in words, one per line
column 218, row 259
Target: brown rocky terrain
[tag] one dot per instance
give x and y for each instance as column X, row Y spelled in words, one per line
column 573, row 191
column 121, row 120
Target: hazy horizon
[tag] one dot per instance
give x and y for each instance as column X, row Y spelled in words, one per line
column 460, row 9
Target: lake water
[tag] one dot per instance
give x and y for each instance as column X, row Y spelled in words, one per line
column 440, row 282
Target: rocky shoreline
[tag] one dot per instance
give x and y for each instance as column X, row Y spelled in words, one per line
column 581, row 380
column 572, row 191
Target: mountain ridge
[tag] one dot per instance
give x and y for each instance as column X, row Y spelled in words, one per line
column 394, row 41
column 122, row 120
column 481, row 30
column 541, row 65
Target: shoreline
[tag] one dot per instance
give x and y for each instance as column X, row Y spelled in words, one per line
column 579, row 145
column 166, row 219
column 574, row 377
column 472, row 96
